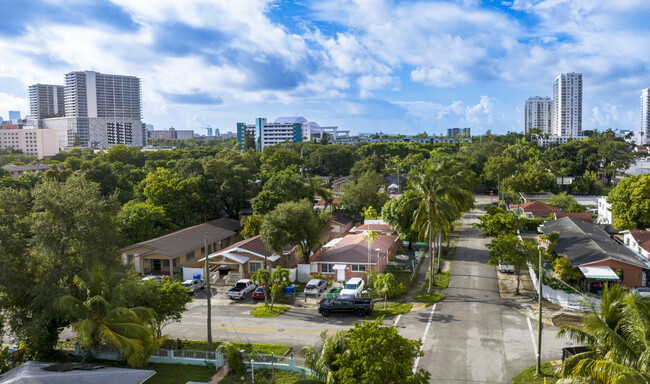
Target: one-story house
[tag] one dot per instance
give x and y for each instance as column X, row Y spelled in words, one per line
column 36, row 372
column 165, row 255
column 534, row 209
column 376, row 226
column 587, row 245
column 246, row 257
column 347, row 257
column 638, row 241
column 338, row 184
column 340, row 224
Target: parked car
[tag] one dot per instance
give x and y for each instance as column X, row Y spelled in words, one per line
column 193, row 285
column 258, row 293
column 315, row 287
column 506, row 268
column 151, row 277
column 353, row 287
column 241, row 289
column 345, row 304
column 642, row 291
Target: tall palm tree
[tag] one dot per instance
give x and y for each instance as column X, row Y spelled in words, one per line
column 102, row 317
column 443, row 188
column 385, row 283
column 263, row 278
column 324, row 358
column 280, row 278
column 619, row 337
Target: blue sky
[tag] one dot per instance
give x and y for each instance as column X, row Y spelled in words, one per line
column 364, row 65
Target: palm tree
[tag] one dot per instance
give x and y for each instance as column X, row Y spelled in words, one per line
column 370, row 236
column 102, row 318
column 262, row 277
column 444, row 190
column 324, row 358
column 618, row 337
column 385, row 283
column 280, row 278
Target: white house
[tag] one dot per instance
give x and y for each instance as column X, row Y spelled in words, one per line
column 638, row 241
column 604, row 211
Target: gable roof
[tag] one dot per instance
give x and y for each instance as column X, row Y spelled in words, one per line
column 642, row 238
column 253, row 246
column 354, row 249
column 537, row 208
column 584, row 216
column 176, row 244
column 341, row 218
column 335, row 201
column 584, row 243
column 394, row 179
column 226, row 223
column 383, row 228
column 33, row 372
column 345, row 179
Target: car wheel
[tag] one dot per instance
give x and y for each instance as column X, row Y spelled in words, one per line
column 243, row 297
column 325, row 313
column 361, row 313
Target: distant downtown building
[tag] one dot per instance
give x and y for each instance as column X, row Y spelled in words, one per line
column 538, row 114
column 46, row 100
column 99, row 110
column 285, row 129
column 643, row 135
column 454, row 132
column 171, row 133
column 567, row 105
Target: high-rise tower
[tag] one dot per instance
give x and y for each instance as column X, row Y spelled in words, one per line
column 538, row 114
column 643, row 134
column 567, row 105
column 46, row 100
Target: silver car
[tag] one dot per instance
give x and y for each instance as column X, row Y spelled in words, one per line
column 315, row 287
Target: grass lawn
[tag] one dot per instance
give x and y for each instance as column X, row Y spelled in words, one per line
column 202, row 345
column 527, row 376
column 178, row 373
column 428, row 298
column 263, row 311
column 392, row 309
column 263, row 376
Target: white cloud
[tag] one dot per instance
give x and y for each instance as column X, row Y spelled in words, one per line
column 12, row 103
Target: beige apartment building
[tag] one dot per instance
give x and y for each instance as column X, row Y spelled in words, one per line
column 42, row 143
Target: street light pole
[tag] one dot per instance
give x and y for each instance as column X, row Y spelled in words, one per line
column 539, row 318
column 208, row 291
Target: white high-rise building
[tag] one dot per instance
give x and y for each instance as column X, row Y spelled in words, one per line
column 46, row 100
column 538, row 114
column 100, row 110
column 567, row 105
column 643, row 135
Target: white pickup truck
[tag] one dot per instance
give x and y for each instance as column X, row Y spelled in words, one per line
column 241, row 289
column 193, row 285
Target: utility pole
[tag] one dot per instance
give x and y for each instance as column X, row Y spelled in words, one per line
column 539, row 319
column 208, row 291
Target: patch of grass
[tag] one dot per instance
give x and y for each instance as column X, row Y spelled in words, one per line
column 428, row 298
column 392, row 309
column 180, row 374
column 527, row 376
column 202, row 345
column 263, row 376
column 440, row 281
column 263, row 311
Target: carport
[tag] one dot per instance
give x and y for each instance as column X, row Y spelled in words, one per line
column 597, row 276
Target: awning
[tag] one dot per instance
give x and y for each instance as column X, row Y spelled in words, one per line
column 338, row 266
column 599, row 273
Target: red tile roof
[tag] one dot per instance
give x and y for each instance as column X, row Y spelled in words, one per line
column 642, row 237
column 383, row 228
column 335, row 201
column 584, row 216
column 537, row 208
column 354, row 249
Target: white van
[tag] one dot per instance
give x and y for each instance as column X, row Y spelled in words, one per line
column 352, row 287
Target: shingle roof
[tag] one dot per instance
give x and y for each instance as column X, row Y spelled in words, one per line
column 354, row 249
column 178, row 243
column 584, row 243
column 584, row 216
column 253, row 244
column 32, row 372
column 226, row 223
column 384, row 228
column 341, row 218
column 537, row 208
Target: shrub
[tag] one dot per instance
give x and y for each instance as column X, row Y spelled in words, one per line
column 565, row 270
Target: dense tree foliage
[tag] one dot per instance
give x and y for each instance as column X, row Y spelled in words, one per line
column 509, row 249
column 630, row 202
column 566, row 202
column 365, row 192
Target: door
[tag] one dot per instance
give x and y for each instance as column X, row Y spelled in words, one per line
column 156, row 265
column 340, row 274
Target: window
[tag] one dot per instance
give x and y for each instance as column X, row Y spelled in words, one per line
column 189, row 256
column 358, row 267
column 254, row 266
column 165, row 263
column 327, row 268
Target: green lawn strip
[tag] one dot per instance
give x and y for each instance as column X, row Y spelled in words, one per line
column 440, row 281
column 264, row 311
column 262, row 376
column 527, row 376
column 428, row 298
column 392, row 309
column 202, row 345
column 179, row 373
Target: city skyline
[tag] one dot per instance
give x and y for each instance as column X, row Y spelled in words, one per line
column 404, row 67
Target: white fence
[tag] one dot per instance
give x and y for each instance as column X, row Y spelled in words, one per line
column 563, row 299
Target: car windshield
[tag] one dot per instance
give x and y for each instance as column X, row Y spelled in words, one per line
column 260, row 289
column 350, row 286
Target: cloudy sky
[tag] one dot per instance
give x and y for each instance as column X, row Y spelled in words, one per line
column 364, row 65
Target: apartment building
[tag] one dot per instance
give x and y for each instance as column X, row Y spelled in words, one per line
column 46, row 100
column 643, row 134
column 567, row 105
column 538, row 112
column 42, row 143
column 285, row 129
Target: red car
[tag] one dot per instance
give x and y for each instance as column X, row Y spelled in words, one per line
column 258, row 293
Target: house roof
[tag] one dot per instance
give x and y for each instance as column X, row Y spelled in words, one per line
column 226, row 223
column 354, row 249
column 341, row 218
column 335, row 201
column 642, row 238
column 394, row 179
column 384, row 228
column 176, row 244
column 33, row 372
column 584, row 216
column 253, row 246
column 345, row 179
column 537, row 208
column 584, row 243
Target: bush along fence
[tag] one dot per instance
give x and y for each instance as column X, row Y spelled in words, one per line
column 565, row 300
column 206, row 358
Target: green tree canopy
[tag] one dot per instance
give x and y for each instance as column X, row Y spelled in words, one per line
column 399, row 214
column 331, row 160
column 630, row 201
column 566, row 202
column 283, row 186
column 139, row 221
column 510, row 250
column 365, row 192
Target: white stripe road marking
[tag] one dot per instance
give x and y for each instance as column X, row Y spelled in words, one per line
column 397, row 319
column 532, row 336
column 426, row 330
